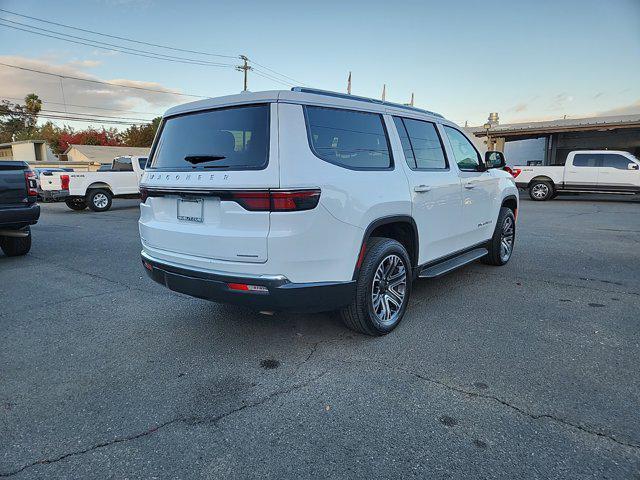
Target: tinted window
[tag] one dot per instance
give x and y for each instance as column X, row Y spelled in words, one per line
column 348, row 138
column 406, row 144
column 613, row 160
column 464, row 152
column 229, row 139
column 122, row 164
column 143, row 162
column 426, row 145
column 587, row 160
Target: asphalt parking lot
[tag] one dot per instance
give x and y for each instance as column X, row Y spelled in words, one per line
column 526, row 371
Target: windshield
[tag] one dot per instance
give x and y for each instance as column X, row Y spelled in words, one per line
column 228, row 139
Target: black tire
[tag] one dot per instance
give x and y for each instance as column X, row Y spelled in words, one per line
column 15, row 246
column 76, row 203
column 541, row 190
column 99, row 200
column 505, row 229
column 361, row 315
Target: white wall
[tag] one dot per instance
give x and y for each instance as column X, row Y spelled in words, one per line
column 24, row 152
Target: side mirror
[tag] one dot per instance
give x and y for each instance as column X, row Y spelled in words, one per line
column 494, row 159
column 633, row 166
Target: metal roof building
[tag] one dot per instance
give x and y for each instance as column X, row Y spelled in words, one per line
column 100, row 154
column 549, row 142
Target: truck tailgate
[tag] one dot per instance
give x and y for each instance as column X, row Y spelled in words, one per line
column 13, row 186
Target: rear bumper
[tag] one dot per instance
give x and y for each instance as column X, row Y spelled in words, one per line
column 54, row 194
column 281, row 295
column 19, row 217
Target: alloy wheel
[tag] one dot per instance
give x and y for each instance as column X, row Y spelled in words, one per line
column 540, row 190
column 389, row 289
column 506, row 239
column 100, row 200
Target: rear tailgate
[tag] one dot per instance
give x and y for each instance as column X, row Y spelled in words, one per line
column 13, row 185
column 195, row 191
column 50, row 181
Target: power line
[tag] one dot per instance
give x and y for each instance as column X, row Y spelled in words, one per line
column 166, row 92
column 96, row 44
column 119, row 38
column 90, row 120
column 94, row 115
column 269, row 77
column 296, row 82
column 129, row 39
column 155, row 114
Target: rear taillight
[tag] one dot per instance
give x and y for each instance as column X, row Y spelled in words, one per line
column 275, row 201
column 64, row 182
column 513, row 171
column 32, row 186
column 243, row 287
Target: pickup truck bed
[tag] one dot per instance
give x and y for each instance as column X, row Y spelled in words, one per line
column 18, row 207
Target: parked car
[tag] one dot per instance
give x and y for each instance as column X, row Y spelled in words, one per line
column 97, row 189
column 46, row 171
column 308, row 200
column 18, row 207
column 585, row 171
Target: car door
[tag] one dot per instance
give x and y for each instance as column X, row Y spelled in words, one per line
column 614, row 173
column 434, row 187
column 479, row 189
column 582, row 171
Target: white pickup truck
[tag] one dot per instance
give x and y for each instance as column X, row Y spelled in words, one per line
column 96, row 190
column 585, row 171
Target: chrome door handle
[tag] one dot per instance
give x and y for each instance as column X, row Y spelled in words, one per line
column 470, row 185
column 421, row 188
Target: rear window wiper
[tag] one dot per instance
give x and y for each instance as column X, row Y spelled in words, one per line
column 195, row 159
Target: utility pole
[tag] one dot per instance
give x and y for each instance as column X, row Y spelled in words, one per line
column 244, row 68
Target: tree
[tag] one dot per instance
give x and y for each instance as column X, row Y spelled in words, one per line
column 18, row 120
column 141, row 135
column 90, row 136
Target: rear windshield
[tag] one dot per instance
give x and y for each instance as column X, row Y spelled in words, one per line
column 227, row 139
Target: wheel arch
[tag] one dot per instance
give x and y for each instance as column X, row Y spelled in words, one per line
column 511, row 202
column 101, row 185
column 402, row 228
column 541, row 178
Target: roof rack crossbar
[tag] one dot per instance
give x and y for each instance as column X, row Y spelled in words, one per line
column 329, row 93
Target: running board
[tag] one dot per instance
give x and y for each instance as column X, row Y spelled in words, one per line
column 453, row 263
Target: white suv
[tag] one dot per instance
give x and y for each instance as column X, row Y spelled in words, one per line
column 309, row 200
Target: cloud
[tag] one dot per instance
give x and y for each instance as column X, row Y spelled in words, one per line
column 560, row 101
column 16, row 83
column 631, row 109
column 598, row 95
column 521, row 107
column 85, row 63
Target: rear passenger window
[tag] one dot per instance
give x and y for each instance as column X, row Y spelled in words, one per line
column 424, row 141
column 351, row 139
column 587, row 160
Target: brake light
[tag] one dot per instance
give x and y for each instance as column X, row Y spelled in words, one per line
column 64, row 182
column 243, row 287
column 516, row 172
column 32, row 186
column 276, row 201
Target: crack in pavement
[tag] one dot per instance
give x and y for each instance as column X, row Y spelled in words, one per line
column 191, row 421
column 520, row 410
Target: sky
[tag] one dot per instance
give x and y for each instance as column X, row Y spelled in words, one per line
column 526, row 60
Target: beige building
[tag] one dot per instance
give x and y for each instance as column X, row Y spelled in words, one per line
column 31, row 151
column 100, row 154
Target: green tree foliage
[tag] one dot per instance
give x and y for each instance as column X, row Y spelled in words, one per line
column 141, row 135
column 19, row 122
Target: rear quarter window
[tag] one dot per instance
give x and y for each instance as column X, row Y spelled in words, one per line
column 348, row 138
column 234, row 138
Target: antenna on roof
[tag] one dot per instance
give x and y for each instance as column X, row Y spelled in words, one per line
column 411, row 102
column 384, row 91
column 349, row 84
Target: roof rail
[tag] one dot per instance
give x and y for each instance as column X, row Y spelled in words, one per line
column 329, row 93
